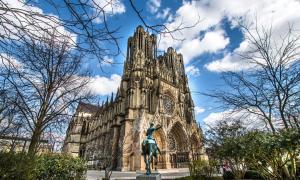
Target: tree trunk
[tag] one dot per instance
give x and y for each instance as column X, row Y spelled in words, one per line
column 296, row 122
column 271, row 125
column 35, row 141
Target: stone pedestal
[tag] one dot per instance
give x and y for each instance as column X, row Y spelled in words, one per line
column 153, row 176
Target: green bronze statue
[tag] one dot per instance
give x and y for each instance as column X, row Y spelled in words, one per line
column 150, row 148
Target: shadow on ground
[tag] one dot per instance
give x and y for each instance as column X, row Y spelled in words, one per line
column 117, row 175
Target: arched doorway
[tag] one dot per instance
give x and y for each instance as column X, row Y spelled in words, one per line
column 160, row 138
column 195, row 146
column 178, row 146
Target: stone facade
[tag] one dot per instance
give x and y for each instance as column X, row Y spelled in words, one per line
column 21, row 144
column 153, row 89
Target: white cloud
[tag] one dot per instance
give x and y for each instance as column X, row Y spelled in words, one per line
column 267, row 13
column 215, row 41
column 212, row 42
column 100, row 85
column 192, row 70
column 277, row 13
column 164, row 14
column 107, row 61
column 213, row 118
column 111, row 7
column 30, row 20
column 249, row 120
column 153, row 5
column 230, row 62
column 187, row 15
column 9, row 61
column 199, row 110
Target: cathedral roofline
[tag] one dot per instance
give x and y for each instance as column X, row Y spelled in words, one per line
column 85, row 107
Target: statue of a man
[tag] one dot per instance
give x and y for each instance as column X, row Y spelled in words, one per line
column 149, row 135
column 150, row 148
column 151, row 130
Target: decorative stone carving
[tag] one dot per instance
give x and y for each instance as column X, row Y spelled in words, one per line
column 168, row 105
column 147, row 93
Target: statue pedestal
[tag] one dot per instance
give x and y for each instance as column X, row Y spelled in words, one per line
column 153, row 176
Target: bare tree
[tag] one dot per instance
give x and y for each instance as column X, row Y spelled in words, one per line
column 271, row 88
column 46, row 77
column 26, row 32
column 22, row 20
column 86, row 21
column 8, row 124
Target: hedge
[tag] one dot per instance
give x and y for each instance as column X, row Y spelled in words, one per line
column 46, row 166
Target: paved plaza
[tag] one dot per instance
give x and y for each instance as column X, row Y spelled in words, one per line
column 116, row 175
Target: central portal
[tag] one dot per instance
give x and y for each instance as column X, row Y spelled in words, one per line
column 178, row 146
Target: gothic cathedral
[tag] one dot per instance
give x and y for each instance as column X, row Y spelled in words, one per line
column 153, row 89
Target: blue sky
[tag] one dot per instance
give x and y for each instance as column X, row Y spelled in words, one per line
column 208, row 49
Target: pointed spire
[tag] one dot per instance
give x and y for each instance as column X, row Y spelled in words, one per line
column 106, row 103
column 112, row 97
column 118, row 92
column 121, row 91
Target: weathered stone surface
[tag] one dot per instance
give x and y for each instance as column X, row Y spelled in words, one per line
column 154, row 176
column 153, row 89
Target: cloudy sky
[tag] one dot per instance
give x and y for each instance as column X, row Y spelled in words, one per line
column 208, row 48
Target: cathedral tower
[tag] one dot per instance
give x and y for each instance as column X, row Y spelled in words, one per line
column 153, row 89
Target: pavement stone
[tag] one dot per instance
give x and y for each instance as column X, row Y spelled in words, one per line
column 167, row 174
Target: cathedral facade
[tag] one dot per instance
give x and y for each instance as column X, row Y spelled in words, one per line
column 153, row 89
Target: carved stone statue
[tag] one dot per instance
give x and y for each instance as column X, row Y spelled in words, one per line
column 150, row 148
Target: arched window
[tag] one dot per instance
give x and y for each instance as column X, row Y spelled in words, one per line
column 83, row 129
column 172, row 143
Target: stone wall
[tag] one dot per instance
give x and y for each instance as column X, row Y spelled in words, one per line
column 153, row 89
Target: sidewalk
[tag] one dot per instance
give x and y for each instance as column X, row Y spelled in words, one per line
column 117, row 175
